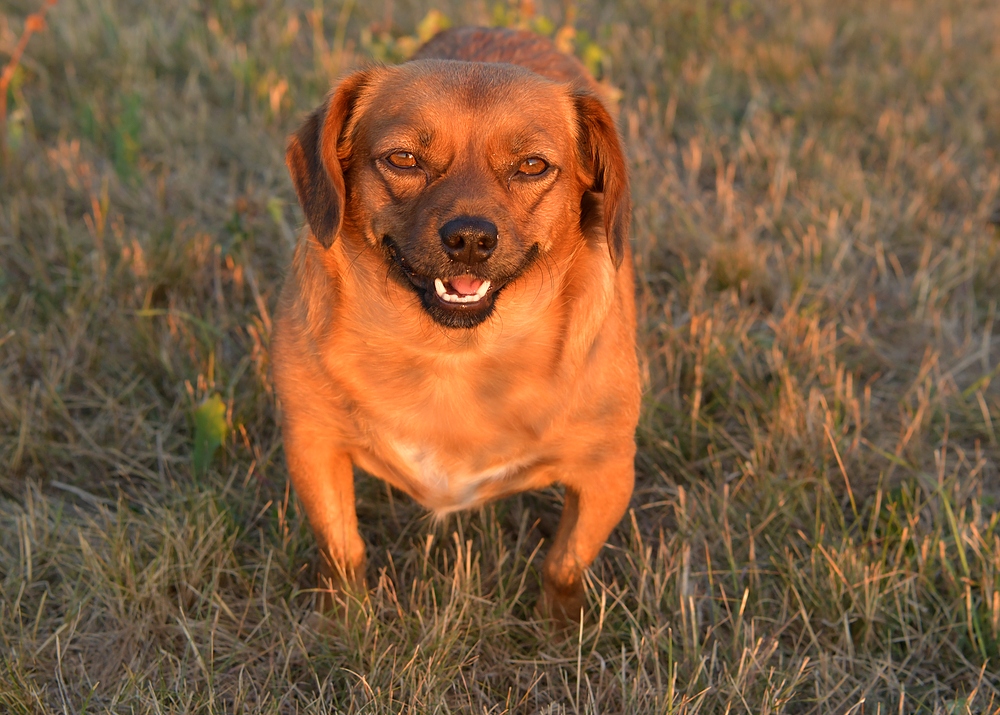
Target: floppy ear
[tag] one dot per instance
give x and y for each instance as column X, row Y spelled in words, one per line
column 604, row 159
column 313, row 160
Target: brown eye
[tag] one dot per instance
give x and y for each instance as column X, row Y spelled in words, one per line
column 402, row 159
column 532, row 167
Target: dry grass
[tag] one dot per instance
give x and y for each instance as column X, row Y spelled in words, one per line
column 815, row 528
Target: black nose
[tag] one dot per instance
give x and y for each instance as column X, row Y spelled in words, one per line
column 469, row 240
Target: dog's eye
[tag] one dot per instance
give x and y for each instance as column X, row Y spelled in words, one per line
column 532, row 167
column 402, row 159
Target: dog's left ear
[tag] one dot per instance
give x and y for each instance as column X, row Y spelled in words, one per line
column 602, row 152
column 314, row 163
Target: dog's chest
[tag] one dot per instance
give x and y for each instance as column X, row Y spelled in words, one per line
column 446, row 482
column 453, row 423
column 453, row 442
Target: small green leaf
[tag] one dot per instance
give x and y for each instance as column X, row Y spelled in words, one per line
column 276, row 208
column 543, row 26
column 593, row 58
column 433, row 22
column 209, row 431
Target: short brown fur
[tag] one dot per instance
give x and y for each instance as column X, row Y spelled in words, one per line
column 536, row 382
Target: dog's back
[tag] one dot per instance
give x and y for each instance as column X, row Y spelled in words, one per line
column 516, row 47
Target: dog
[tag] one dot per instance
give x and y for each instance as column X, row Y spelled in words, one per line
column 459, row 317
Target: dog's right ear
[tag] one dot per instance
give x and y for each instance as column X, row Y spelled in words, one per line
column 314, row 163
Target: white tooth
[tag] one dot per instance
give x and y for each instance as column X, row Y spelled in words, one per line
column 444, row 295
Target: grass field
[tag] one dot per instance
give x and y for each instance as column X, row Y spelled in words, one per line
column 816, row 525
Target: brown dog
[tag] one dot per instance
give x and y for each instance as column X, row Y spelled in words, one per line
column 459, row 320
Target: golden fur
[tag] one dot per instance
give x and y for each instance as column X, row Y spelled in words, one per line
column 461, row 403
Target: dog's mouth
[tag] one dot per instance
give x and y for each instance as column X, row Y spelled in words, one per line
column 462, row 290
column 459, row 301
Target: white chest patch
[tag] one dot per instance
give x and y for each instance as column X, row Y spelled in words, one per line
column 450, row 488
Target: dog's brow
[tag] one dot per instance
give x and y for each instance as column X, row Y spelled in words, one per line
column 532, row 138
column 405, row 136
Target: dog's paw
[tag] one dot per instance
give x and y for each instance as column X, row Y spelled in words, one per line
column 317, row 622
column 563, row 608
column 337, row 591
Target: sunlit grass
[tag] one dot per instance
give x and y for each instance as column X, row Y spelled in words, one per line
column 815, row 526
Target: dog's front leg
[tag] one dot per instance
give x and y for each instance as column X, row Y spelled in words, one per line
column 324, row 482
column 592, row 508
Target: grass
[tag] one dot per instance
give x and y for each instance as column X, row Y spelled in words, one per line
column 815, row 525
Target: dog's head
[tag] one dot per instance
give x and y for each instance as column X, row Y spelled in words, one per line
column 462, row 175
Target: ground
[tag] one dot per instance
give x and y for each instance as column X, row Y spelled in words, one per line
column 816, row 524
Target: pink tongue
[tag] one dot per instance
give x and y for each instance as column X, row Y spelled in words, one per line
column 465, row 285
